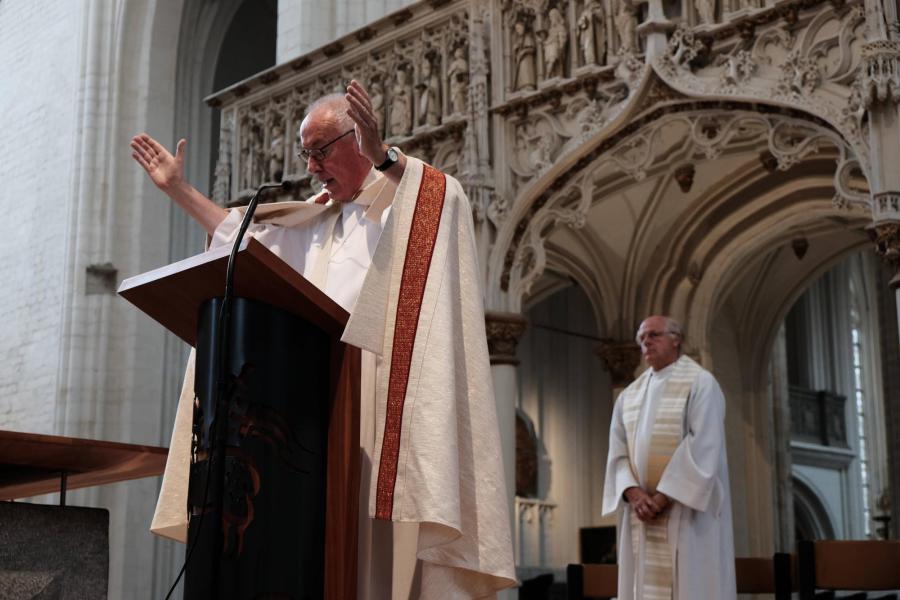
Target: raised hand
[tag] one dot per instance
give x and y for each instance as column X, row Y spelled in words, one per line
column 368, row 138
column 165, row 170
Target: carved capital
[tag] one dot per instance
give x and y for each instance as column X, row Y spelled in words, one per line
column 886, row 237
column 880, row 74
column 503, row 333
column 621, row 358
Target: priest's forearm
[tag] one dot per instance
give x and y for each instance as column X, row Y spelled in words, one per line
column 200, row 208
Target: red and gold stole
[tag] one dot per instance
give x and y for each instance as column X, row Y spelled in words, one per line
column 419, row 250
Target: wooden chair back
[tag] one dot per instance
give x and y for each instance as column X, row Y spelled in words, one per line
column 591, row 581
column 754, row 576
column 848, row 565
column 766, row 576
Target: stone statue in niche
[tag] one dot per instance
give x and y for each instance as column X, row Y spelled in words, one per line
column 429, row 112
column 524, row 51
column 251, row 151
column 298, row 165
column 458, row 76
column 706, row 9
column 276, row 154
column 592, row 33
column 626, row 25
column 376, row 95
column 401, row 105
column 557, row 37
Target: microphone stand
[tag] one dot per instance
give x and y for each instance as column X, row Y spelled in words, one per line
column 219, row 426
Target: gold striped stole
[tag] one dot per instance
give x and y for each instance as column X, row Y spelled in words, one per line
column 667, row 433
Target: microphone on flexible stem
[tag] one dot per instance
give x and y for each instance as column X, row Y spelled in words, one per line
column 219, row 433
column 220, row 420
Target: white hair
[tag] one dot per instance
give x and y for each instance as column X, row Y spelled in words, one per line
column 336, row 105
column 673, row 328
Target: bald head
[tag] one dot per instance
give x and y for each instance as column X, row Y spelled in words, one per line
column 661, row 339
column 331, row 110
column 337, row 162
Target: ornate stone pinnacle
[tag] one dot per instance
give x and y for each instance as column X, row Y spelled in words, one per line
column 880, row 74
column 621, row 358
column 503, row 333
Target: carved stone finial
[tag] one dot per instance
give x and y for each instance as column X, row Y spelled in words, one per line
column 621, row 358
column 503, row 333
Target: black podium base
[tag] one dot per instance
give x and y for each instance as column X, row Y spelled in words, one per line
column 268, row 539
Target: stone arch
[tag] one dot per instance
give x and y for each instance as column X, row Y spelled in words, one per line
column 553, row 198
column 811, row 516
column 208, row 35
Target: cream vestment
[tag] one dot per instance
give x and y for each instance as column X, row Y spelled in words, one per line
column 405, row 268
column 668, row 434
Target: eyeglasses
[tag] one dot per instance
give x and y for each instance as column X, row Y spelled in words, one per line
column 650, row 335
column 319, row 153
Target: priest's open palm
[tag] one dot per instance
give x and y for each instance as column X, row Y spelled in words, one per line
column 368, row 136
column 165, row 170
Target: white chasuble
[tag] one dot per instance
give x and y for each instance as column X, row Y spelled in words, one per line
column 668, row 434
column 432, row 474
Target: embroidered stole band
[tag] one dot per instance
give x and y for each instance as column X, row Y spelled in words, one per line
column 667, row 433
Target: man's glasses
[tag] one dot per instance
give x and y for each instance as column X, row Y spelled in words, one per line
column 319, row 153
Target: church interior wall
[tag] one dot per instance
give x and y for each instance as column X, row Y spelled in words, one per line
column 304, row 25
column 41, row 50
column 85, row 364
column 748, row 442
column 567, row 395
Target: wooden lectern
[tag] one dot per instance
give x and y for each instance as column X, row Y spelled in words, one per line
column 288, row 521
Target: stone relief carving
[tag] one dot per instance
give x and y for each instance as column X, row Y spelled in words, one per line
column 222, row 186
column 569, row 207
column 800, row 74
column 592, row 33
column 429, row 88
column 880, row 76
column 706, row 10
column 458, row 79
column 810, row 67
column 251, row 153
column 524, row 53
column 626, row 27
column 376, row 94
column 401, row 104
column 555, row 44
column 276, row 153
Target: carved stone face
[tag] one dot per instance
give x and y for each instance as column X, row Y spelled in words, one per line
column 519, row 28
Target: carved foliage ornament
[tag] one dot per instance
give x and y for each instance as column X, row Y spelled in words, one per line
column 503, row 333
column 621, row 359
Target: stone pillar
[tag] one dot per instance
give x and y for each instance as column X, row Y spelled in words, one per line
column 503, row 333
column 781, row 445
column 879, row 83
column 621, row 359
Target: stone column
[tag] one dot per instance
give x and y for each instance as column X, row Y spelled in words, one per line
column 621, row 359
column 879, row 83
column 503, row 333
